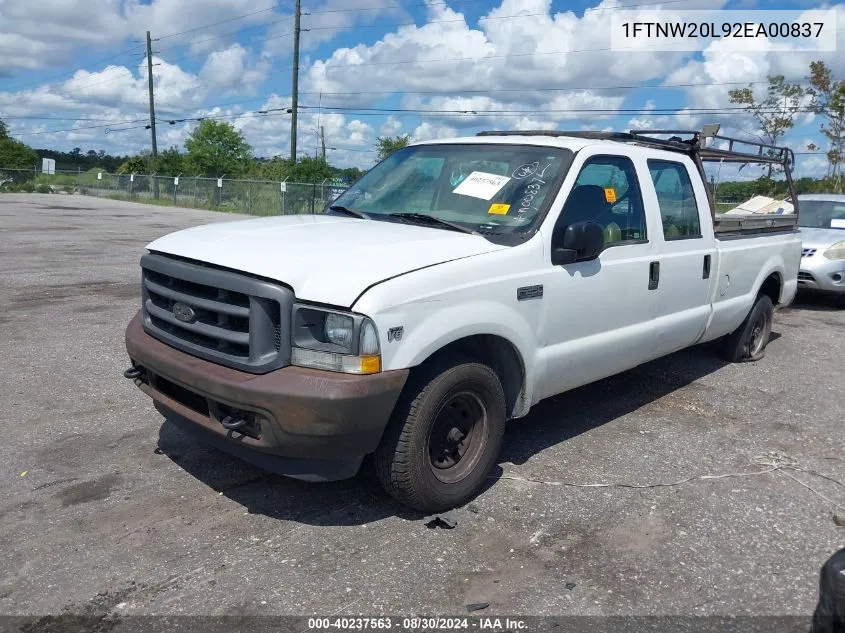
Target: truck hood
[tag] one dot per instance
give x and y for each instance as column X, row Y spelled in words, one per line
column 821, row 238
column 325, row 259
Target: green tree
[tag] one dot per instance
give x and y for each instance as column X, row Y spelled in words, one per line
column 135, row 165
column 828, row 101
column 306, row 169
column 351, row 174
column 14, row 154
column 216, row 148
column 170, row 162
column 775, row 113
column 386, row 145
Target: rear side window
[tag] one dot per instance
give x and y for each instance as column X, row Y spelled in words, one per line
column 607, row 192
column 676, row 199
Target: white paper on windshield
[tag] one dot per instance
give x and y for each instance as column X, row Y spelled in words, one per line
column 480, row 184
column 837, row 224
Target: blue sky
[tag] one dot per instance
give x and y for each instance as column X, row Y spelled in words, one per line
column 72, row 72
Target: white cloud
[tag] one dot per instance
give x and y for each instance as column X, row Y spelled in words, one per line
column 390, row 127
column 230, row 71
column 511, row 49
column 45, row 33
column 492, row 73
column 428, row 131
column 322, row 23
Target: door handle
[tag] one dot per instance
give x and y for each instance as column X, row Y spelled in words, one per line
column 653, row 275
column 705, row 274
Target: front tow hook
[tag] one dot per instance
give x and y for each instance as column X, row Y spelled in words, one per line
column 233, row 424
column 136, row 371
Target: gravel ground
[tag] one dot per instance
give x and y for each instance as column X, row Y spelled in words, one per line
column 106, row 507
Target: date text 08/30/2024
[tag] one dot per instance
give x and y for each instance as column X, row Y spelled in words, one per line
column 417, row 623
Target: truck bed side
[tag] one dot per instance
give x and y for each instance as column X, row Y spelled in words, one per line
column 744, row 263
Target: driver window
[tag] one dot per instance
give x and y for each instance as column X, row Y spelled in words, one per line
column 607, row 192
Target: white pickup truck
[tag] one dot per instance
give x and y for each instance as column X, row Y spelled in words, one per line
column 450, row 289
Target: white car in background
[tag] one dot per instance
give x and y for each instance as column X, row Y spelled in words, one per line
column 822, row 221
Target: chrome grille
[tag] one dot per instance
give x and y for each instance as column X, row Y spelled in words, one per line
column 226, row 317
column 808, row 252
column 805, row 277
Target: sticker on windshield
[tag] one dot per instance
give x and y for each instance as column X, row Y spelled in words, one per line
column 499, row 208
column 480, row 184
column 837, row 223
column 610, row 195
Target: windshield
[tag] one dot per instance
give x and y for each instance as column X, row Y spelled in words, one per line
column 821, row 214
column 485, row 187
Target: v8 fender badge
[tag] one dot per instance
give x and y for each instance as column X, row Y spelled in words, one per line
column 395, row 334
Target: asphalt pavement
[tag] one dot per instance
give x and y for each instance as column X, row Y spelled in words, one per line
column 107, row 509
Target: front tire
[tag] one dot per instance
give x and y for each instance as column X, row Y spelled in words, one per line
column 444, row 437
column 748, row 342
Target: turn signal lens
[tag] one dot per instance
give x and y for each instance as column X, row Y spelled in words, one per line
column 330, row 361
column 370, row 364
column 368, row 345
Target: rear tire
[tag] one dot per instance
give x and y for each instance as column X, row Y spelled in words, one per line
column 748, row 342
column 444, row 436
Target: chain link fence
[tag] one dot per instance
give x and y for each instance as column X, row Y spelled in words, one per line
column 256, row 197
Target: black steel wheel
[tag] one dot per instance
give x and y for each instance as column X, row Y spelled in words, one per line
column 748, row 342
column 445, row 435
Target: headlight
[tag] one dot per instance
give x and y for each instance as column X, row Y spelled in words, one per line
column 334, row 341
column 837, row 251
column 338, row 329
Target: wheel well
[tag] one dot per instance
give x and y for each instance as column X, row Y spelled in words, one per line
column 500, row 355
column 771, row 287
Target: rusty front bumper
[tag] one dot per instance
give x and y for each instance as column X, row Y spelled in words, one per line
column 307, row 423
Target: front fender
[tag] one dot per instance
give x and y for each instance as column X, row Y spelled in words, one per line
column 430, row 326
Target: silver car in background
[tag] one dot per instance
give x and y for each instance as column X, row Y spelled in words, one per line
column 822, row 220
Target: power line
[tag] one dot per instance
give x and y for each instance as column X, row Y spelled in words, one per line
column 236, row 32
column 482, row 91
column 330, row 66
column 75, row 129
column 226, row 21
column 55, row 118
column 76, row 70
column 379, row 26
column 431, row 4
column 228, row 48
column 482, row 113
column 226, row 116
column 539, row 89
column 332, row 28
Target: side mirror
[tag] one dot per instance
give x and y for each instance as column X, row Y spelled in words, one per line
column 582, row 241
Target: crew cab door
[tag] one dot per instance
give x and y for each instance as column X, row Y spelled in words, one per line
column 686, row 251
column 598, row 313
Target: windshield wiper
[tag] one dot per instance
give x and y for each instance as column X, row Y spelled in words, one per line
column 350, row 212
column 421, row 218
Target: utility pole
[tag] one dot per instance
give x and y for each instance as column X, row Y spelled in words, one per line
column 323, row 141
column 152, row 98
column 295, row 88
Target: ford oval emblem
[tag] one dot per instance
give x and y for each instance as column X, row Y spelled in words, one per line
column 183, row 312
